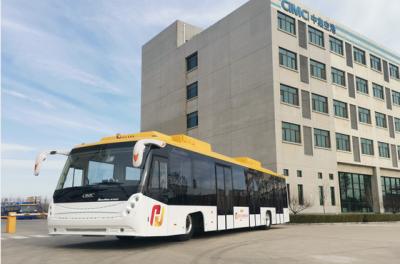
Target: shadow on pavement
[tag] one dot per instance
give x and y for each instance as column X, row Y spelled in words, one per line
column 152, row 242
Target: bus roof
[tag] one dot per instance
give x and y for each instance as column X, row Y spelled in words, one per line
column 184, row 142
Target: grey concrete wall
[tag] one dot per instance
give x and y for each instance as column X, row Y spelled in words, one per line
column 235, row 84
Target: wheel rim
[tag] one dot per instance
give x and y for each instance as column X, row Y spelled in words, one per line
column 188, row 224
column 268, row 220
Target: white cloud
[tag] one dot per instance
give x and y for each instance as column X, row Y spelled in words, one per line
column 27, row 98
column 59, row 122
column 10, row 147
column 67, row 72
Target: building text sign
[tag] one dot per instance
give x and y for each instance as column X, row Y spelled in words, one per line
column 305, row 14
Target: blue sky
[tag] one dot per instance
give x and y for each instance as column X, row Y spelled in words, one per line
column 71, row 70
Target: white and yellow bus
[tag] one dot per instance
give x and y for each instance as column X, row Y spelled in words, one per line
column 151, row 184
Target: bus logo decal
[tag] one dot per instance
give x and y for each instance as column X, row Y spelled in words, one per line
column 157, row 215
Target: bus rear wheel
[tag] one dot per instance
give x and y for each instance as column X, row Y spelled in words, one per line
column 268, row 220
column 189, row 229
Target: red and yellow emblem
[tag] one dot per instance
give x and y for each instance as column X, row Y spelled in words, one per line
column 157, row 215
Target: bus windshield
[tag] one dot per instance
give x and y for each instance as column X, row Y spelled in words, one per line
column 99, row 173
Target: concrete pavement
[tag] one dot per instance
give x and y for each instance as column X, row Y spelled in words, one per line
column 320, row 243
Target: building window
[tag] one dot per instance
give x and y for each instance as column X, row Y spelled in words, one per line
column 367, row 147
column 355, row 192
column 378, row 91
column 383, row 150
column 359, row 56
column 286, row 23
column 340, row 109
column 338, row 77
column 380, row 120
column 331, row 176
column 287, row 59
column 375, row 63
column 394, row 71
column 396, row 97
column 336, row 45
column 316, row 36
column 364, row 115
column 391, row 194
column 289, row 95
column 322, row 138
column 300, row 194
column 317, row 69
column 362, row 85
column 192, row 120
column 397, row 124
column 191, row 62
column 299, row 173
column 321, row 195
column 291, row 132
column 319, row 175
column 319, row 103
column 191, row 91
column 398, row 151
column 286, row 172
column 342, row 142
column 288, row 192
column 333, row 199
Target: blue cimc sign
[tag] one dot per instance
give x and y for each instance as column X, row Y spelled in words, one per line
column 296, row 10
column 304, row 14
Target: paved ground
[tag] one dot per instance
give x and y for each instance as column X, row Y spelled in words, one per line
column 328, row 243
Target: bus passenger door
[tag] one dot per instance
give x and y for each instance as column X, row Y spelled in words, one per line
column 252, row 191
column 157, row 183
column 224, row 197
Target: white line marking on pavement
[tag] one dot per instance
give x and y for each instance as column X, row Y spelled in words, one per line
column 40, row 236
column 18, row 237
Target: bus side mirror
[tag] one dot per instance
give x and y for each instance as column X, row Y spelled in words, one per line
column 38, row 164
column 138, row 150
column 43, row 156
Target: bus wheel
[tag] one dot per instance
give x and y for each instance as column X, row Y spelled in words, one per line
column 268, row 220
column 189, row 229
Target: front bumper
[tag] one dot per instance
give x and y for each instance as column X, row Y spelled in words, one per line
column 94, row 219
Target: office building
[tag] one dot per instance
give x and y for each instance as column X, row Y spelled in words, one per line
column 280, row 83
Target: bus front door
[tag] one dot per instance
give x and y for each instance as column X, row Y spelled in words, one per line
column 224, row 197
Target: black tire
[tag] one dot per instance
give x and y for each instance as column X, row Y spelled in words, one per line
column 189, row 229
column 268, row 221
column 126, row 238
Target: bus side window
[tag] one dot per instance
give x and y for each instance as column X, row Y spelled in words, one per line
column 163, row 175
column 155, row 175
column 239, row 187
column 158, row 174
